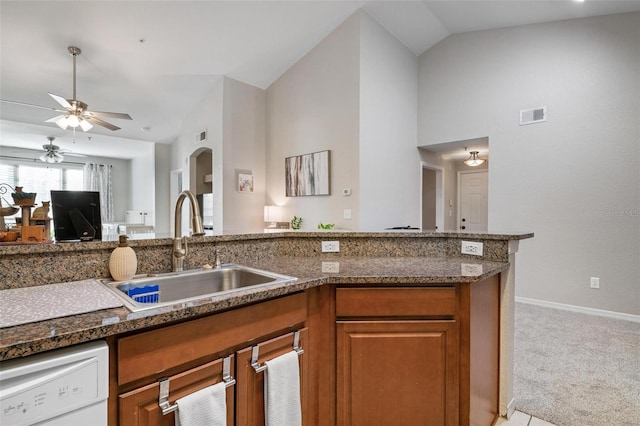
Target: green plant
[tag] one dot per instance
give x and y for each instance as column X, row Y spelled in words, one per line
column 326, row 226
column 296, row 222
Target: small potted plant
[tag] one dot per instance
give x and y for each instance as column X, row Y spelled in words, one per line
column 326, row 225
column 296, row 223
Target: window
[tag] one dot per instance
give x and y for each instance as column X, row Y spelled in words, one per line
column 41, row 179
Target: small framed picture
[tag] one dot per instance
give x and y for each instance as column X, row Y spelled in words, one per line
column 245, row 183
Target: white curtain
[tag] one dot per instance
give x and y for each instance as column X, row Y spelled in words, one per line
column 97, row 177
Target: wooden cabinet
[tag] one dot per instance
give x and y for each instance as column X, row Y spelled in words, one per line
column 397, row 356
column 140, row 407
column 418, row 355
column 250, row 384
column 372, row 355
column 396, row 372
column 190, row 354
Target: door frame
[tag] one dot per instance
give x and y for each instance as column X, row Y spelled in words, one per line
column 459, row 195
column 439, row 193
column 176, row 185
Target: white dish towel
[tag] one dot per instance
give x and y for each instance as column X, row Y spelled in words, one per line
column 282, row 391
column 207, row 406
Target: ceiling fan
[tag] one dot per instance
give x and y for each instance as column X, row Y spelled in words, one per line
column 52, row 152
column 75, row 112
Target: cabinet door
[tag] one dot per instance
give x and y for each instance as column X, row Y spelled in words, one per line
column 140, row 406
column 397, row 373
column 250, row 385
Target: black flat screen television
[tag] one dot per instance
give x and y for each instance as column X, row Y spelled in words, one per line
column 76, row 215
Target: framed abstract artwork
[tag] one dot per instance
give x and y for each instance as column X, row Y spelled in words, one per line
column 307, row 174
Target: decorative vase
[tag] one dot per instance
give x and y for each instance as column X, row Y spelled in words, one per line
column 123, row 262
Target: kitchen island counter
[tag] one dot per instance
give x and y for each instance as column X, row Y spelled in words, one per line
column 27, row 339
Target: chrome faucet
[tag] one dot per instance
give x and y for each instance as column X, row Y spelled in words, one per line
column 179, row 251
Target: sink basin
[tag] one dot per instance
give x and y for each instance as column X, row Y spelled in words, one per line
column 152, row 291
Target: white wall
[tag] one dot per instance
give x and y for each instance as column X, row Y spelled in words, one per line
column 573, row 180
column 233, row 113
column 356, row 95
column 207, row 115
column 244, row 152
column 314, row 107
column 389, row 160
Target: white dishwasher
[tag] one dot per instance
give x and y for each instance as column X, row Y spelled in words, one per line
column 67, row 387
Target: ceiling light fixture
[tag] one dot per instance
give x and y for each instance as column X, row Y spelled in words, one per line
column 51, row 157
column 473, row 159
column 72, row 120
column 51, row 154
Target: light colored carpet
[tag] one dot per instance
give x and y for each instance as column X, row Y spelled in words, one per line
column 573, row 369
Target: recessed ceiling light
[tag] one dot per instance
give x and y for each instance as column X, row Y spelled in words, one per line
column 146, row 128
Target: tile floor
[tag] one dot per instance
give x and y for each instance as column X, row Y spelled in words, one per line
column 522, row 419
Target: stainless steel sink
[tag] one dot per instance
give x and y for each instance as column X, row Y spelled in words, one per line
column 153, row 291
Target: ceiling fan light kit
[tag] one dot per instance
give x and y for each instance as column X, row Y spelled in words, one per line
column 51, row 154
column 51, row 157
column 75, row 113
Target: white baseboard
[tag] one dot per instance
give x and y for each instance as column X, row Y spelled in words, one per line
column 580, row 309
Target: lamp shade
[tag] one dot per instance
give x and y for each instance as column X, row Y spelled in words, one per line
column 272, row 213
column 86, row 126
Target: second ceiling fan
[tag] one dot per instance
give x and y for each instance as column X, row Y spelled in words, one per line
column 75, row 112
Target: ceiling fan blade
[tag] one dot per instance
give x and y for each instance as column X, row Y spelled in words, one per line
column 102, row 123
column 120, row 115
column 54, row 119
column 30, row 105
column 62, row 101
column 50, row 147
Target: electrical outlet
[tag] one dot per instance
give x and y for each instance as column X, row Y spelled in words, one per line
column 470, row 269
column 330, row 267
column 472, row 247
column 595, row 282
column 331, row 246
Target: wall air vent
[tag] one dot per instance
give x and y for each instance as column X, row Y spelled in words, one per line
column 532, row 116
column 200, row 137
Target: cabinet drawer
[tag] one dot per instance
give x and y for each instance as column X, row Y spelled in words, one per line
column 395, row 302
column 151, row 353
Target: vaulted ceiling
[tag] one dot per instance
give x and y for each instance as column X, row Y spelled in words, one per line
column 156, row 59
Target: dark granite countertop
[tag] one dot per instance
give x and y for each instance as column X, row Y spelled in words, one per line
column 27, row 339
column 53, row 248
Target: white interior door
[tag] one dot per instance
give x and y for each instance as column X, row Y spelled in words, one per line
column 473, row 190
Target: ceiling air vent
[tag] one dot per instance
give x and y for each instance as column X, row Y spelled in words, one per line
column 532, row 116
